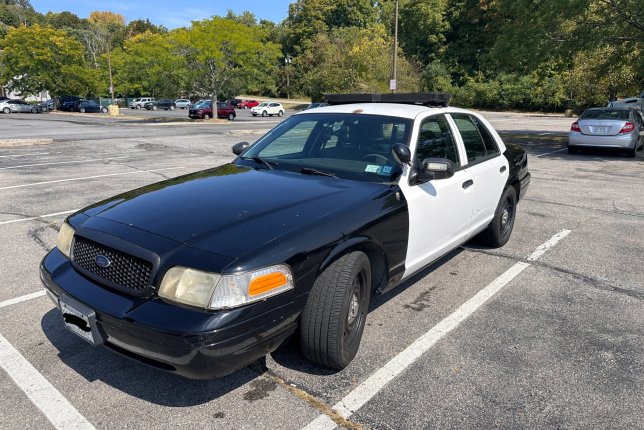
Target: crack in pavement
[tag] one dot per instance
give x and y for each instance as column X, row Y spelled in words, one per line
column 35, row 233
column 632, row 214
column 600, row 284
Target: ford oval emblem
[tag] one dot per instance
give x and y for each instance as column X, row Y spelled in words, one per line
column 102, row 261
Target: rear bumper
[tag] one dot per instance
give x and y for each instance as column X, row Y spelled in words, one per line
column 625, row 141
column 204, row 344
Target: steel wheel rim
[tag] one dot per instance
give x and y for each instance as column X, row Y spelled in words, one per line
column 355, row 313
column 507, row 215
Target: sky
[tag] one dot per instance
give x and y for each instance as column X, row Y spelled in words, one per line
column 169, row 13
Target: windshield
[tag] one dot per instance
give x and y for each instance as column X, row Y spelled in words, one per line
column 202, row 104
column 621, row 115
column 262, row 104
column 349, row 146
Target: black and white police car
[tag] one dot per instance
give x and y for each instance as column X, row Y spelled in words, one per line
column 205, row 273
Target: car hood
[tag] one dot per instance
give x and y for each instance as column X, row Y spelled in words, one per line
column 232, row 210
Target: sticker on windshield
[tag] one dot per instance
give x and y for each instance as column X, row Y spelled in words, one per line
column 386, row 170
column 372, row 168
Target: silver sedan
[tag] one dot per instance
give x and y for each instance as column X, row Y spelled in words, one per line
column 8, row 106
column 620, row 128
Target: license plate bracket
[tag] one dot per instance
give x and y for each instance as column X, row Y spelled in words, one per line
column 80, row 320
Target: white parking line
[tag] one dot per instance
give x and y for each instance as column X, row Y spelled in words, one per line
column 22, row 299
column 549, row 244
column 548, row 153
column 51, row 403
column 364, row 392
column 37, row 217
column 136, row 172
column 63, row 162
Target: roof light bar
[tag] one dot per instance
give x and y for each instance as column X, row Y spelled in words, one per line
column 426, row 99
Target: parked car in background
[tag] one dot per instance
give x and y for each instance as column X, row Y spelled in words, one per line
column 47, row 105
column 19, row 106
column 268, row 109
column 235, row 102
column 247, row 104
column 315, row 105
column 89, row 106
column 182, row 103
column 140, row 102
column 618, row 128
column 165, row 104
column 203, row 110
column 634, row 102
column 65, row 103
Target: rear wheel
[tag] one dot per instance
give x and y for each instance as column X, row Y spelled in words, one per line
column 335, row 313
column 104, row 109
column 138, row 107
column 630, row 152
column 280, row 113
column 34, row 110
column 499, row 230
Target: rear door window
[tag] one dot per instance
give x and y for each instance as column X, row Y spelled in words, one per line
column 477, row 139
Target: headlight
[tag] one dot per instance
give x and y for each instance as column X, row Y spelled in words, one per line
column 64, row 239
column 214, row 291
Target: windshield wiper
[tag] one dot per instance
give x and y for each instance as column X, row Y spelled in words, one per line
column 259, row 160
column 311, row 171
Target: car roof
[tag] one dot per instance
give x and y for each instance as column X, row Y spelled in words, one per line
column 387, row 109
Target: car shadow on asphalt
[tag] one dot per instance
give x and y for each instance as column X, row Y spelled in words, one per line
column 289, row 355
column 135, row 378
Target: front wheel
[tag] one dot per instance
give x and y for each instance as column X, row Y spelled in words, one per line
column 6, row 110
column 34, row 110
column 231, row 116
column 499, row 230
column 81, row 110
column 104, row 109
column 264, row 113
column 335, row 313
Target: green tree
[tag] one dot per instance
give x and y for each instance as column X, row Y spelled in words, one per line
column 139, row 26
column 307, row 18
column 39, row 58
column 221, row 52
column 148, row 65
column 352, row 59
column 422, row 29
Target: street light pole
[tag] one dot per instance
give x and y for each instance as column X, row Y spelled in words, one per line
column 287, row 61
column 394, row 83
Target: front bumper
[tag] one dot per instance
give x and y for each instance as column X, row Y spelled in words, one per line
column 194, row 343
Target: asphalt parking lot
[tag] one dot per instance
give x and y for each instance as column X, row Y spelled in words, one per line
column 545, row 332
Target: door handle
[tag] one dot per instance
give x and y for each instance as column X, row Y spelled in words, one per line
column 502, row 169
column 468, row 183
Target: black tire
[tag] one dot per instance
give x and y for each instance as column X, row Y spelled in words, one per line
column 138, row 107
column 104, row 109
column 231, row 116
column 81, row 110
column 6, row 110
column 154, row 107
column 499, row 230
column 171, row 107
column 630, row 152
column 280, row 113
column 333, row 319
column 572, row 150
column 264, row 113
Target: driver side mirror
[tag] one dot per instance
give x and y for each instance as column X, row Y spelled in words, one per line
column 240, row 147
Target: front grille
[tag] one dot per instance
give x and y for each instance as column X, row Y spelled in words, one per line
column 124, row 271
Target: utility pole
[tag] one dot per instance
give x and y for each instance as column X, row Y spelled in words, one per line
column 109, row 66
column 287, row 62
column 393, row 84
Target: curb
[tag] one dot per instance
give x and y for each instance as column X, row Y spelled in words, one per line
column 24, row 142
